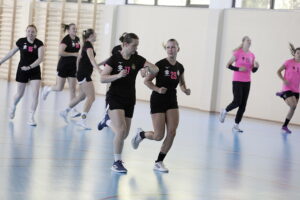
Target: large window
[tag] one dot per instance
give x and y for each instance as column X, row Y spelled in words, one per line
column 269, row 4
column 287, row 4
column 201, row 3
column 252, row 3
column 142, row 2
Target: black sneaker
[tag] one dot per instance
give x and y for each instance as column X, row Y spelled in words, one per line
column 118, row 167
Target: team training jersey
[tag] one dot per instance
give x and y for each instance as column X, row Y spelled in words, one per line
column 85, row 66
column 292, row 75
column 28, row 51
column 243, row 59
column 125, row 86
column 72, row 46
column 168, row 75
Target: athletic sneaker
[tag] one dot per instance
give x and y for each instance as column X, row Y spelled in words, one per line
column 237, row 129
column 82, row 123
column 279, row 93
column 104, row 122
column 285, row 129
column 75, row 113
column 12, row 112
column 31, row 121
column 222, row 115
column 118, row 167
column 64, row 114
column 135, row 141
column 159, row 166
column 46, row 91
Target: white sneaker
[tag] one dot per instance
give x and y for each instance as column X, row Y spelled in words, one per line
column 159, row 166
column 64, row 114
column 12, row 112
column 135, row 141
column 222, row 115
column 237, row 129
column 82, row 123
column 46, row 91
column 31, row 121
column 75, row 113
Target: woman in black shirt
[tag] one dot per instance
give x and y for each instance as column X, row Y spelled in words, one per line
column 66, row 68
column 163, row 102
column 31, row 55
column 121, row 70
column 86, row 63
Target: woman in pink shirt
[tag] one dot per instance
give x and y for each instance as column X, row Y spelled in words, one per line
column 291, row 82
column 245, row 63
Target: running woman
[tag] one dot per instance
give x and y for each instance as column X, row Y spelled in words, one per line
column 245, row 62
column 66, row 68
column 291, row 82
column 163, row 103
column 85, row 62
column 31, row 55
column 121, row 70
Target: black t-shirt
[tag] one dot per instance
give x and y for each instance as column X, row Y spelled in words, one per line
column 125, row 87
column 72, row 47
column 168, row 75
column 85, row 65
column 28, row 51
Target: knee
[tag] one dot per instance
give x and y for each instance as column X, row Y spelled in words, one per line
column 81, row 98
column 172, row 133
column 158, row 137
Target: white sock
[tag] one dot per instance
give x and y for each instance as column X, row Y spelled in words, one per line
column 117, row 157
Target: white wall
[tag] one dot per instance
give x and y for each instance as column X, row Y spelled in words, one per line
column 155, row 25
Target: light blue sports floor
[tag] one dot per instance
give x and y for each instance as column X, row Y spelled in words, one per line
column 59, row 161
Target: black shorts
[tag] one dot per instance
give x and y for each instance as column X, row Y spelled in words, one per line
column 83, row 78
column 160, row 103
column 119, row 103
column 65, row 71
column 288, row 94
column 25, row 76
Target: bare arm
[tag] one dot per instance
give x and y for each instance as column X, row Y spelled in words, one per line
column 78, row 59
column 280, row 74
column 234, row 68
column 183, row 88
column 151, row 68
column 62, row 52
column 91, row 56
column 148, row 82
column 106, row 77
column 9, row 54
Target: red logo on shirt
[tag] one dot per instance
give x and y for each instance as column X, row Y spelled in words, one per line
column 127, row 69
column 30, row 49
column 77, row 45
column 173, row 75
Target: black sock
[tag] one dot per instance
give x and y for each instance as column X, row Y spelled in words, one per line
column 287, row 121
column 161, row 157
column 142, row 134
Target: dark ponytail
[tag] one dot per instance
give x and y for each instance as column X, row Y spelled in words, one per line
column 128, row 37
column 87, row 33
column 67, row 26
column 293, row 49
column 122, row 37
